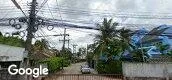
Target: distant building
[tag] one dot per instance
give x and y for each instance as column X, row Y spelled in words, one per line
column 147, row 39
column 137, row 36
column 161, row 33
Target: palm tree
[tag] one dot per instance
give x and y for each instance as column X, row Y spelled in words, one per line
column 107, row 30
column 109, row 45
column 111, row 41
column 124, row 35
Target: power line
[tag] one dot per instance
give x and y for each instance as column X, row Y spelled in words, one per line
column 129, row 15
column 111, row 11
column 58, row 7
column 64, row 39
column 117, row 15
column 9, row 12
column 16, row 4
column 81, row 30
column 96, row 10
column 42, row 5
column 43, row 34
column 52, row 15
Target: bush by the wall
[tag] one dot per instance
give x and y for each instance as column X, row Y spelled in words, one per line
column 66, row 63
column 111, row 67
column 54, row 64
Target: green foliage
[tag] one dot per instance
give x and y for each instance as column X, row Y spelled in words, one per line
column 110, row 42
column 82, row 51
column 169, row 53
column 89, row 56
column 1, row 34
column 139, row 56
column 54, row 64
column 113, row 48
column 162, row 47
column 40, row 46
column 66, row 54
column 12, row 41
column 111, row 67
column 66, row 63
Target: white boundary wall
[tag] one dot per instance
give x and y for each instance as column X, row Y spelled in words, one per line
column 131, row 69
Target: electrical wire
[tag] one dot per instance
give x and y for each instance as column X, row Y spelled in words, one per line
column 107, row 11
column 81, row 30
column 42, row 5
column 43, row 34
column 59, row 11
column 117, row 15
column 135, row 15
column 6, row 14
column 51, row 15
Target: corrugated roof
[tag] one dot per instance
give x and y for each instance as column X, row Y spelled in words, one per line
column 10, row 53
column 158, row 31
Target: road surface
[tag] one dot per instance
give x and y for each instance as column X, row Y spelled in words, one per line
column 73, row 69
column 73, row 73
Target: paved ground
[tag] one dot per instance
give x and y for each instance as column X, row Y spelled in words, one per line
column 73, row 73
column 75, row 69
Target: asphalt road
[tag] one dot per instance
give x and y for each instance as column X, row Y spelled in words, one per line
column 73, row 73
column 73, row 69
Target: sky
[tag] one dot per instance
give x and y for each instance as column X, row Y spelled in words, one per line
column 89, row 13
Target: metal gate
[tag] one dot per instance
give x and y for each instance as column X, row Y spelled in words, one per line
column 85, row 77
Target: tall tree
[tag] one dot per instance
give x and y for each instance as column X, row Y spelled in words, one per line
column 111, row 41
column 81, row 52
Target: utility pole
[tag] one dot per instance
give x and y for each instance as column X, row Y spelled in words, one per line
column 67, row 40
column 64, row 39
column 31, row 26
column 74, row 48
column 63, row 47
column 31, row 23
column 87, row 49
column 30, row 31
column 74, row 51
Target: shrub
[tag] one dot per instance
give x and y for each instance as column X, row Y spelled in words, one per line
column 66, row 63
column 12, row 41
column 54, row 64
column 111, row 67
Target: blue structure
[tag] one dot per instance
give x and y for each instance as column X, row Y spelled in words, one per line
column 138, row 35
column 148, row 39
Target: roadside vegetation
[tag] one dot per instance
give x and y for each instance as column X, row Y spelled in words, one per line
column 54, row 58
column 108, row 47
column 106, row 53
column 11, row 41
column 42, row 53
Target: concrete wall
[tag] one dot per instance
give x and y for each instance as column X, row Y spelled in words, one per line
column 154, row 70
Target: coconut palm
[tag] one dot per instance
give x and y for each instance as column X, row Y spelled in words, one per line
column 106, row 33
column 111, row 41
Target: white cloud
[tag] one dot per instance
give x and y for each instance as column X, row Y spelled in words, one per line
column 149, row 7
